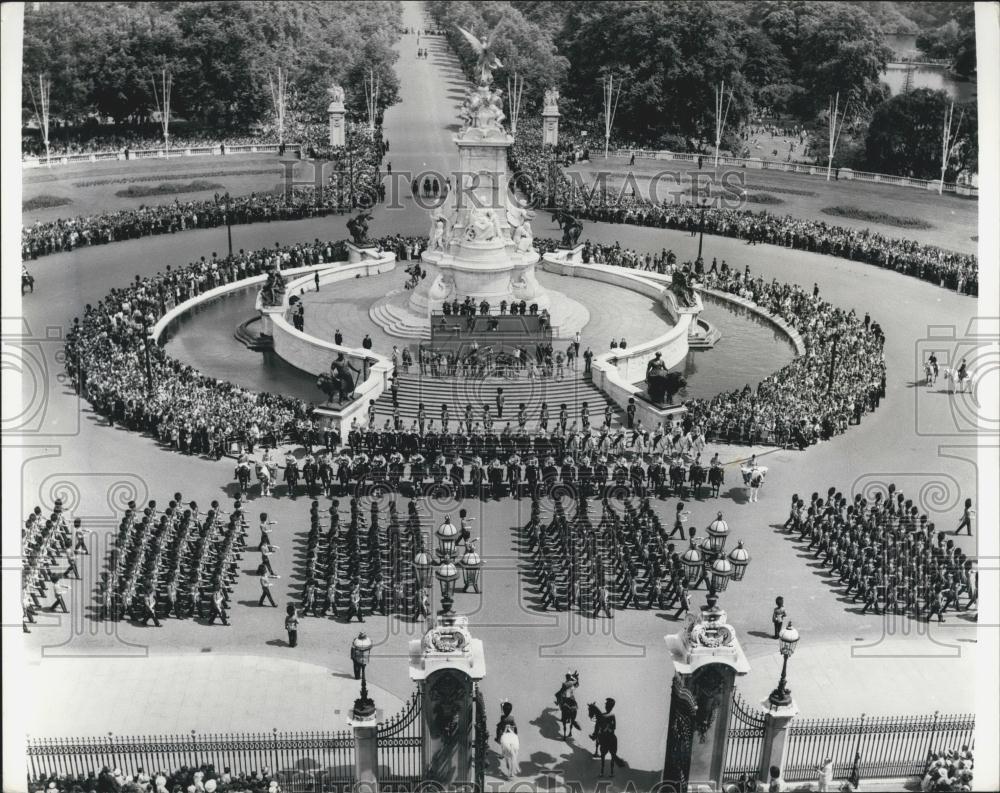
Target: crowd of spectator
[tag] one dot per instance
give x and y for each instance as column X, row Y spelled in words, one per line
column 106, row 355
column 99, row 139
column 201, row 779
column 840, row 377
column 949, row 770
column 44, row 238
column 543, row 183
column 838, row 380
column 817, row 396
column 359, row 187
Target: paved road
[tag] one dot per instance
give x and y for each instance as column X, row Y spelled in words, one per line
column 913, row 439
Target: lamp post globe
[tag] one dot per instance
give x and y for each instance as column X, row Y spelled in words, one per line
column 446, row 574
column 362, row 647
column 447, row 534
column 739, row 557
column 471, row 563
column 718, row 533
column 719, row 574
column 424, row 565
column 788, row 638
column 691, row 561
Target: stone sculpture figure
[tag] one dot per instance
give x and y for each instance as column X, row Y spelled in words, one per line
column 440, row 233
column 358, row 226
column 551, row 98
column 336, row 93
column 483, row 226
column 487, row 60
column 520, row 225
column 571, row 228
column 662, row 385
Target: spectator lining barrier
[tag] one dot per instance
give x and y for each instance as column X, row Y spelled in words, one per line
column 300, row 761
column 844, row 174
column 144, row 154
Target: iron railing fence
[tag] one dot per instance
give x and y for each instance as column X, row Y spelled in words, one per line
column 885, row 746
column 302, row 762
column 845, row 174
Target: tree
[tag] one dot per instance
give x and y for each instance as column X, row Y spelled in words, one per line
column 102, row 56
column 904, row 136
column 830, row 48
column 522, row 45
column 668, row 56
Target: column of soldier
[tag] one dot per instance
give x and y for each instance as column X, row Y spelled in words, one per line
column 363, row 569
column 178, row 561
column 888, row 557
column 514, row 458
column 46, row 545
column 627, row 560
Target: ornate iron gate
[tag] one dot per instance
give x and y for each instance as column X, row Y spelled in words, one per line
column 400, row 747
column 745, row 744
column 680, row 734
column 482, row 743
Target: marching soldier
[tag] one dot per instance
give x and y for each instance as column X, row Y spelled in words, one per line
column 149, row 608
column 514, row 475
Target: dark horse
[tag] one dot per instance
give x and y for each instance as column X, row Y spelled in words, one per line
column 567, row 714
column 571, row 228
column 606, row 742
column 358, row 226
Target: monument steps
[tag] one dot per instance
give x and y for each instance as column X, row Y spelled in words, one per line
column 572, row 390
column 397, row 322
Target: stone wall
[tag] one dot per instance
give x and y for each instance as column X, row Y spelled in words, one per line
column 305, row 352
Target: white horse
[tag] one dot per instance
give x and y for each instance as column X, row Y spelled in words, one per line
column 509, row 747
column 265, row 478
column 956, row 383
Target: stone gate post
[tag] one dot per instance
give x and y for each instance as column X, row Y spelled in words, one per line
column 777, row 721
column 446, row 664
column 550, row 118
column 365, row 754
column 336, row 113
column 707, row 658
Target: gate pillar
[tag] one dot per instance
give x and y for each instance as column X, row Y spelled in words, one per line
column 707, row 658
column 776, row 723
column 337, row 117
column 365, row 754
column 447, row 664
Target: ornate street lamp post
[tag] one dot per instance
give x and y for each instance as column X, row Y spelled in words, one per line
column 229, row 226
column 361, row 648
column 702, row 205
column 781, row 696
column 708, row 560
